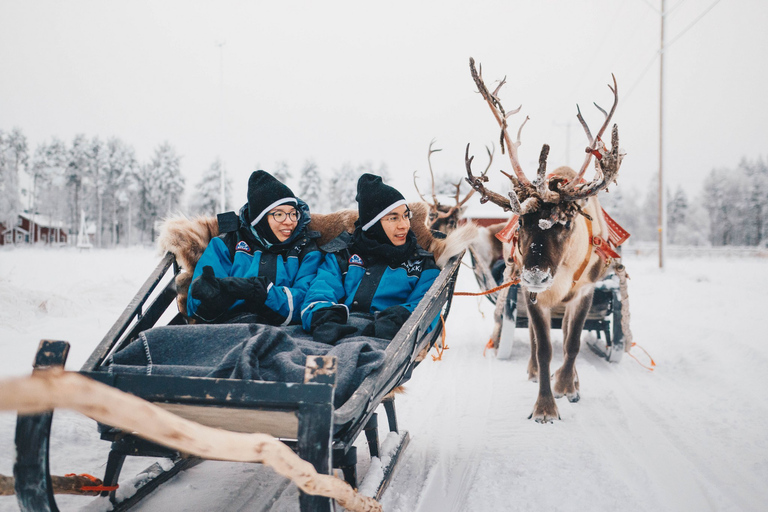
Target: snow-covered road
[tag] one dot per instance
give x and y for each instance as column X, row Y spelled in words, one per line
column 688, row 436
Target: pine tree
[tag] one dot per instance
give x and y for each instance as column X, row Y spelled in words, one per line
column 205, row 200
column 14, row 157
column 282, row 173
column 98, row 167
column 121, row 161
column 343, row 188
column 756, row 199
column 159, row 186
column 48, row 173
column 677, row 216
column 76, row 175
column 311, row 186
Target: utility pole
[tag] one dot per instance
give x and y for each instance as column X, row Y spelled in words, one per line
column 662, row 219
column 222, row 177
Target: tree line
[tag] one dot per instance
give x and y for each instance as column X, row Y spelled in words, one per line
column 731, row 209
column 101, row 178
column 124, row 198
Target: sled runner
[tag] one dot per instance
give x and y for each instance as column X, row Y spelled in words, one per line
column 300, row 414
column 603, row 320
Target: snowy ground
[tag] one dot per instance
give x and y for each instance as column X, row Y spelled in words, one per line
column 688, row 436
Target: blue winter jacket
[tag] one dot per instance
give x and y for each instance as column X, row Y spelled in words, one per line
column 367, row 288
column 289, row 268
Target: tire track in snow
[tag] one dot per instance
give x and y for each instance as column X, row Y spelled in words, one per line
column 465, row 428
column 673, row 464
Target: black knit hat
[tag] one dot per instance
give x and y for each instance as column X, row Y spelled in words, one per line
column 265, row 192
column 375, row 200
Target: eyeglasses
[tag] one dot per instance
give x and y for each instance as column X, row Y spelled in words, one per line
column 281, row 216
column 394, row 218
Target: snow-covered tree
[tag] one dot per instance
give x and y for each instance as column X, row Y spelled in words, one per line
column 48, row 173
column 621, row 203
column 756, row 200
column 281, row 172
column 343, row 188
column 677, row 216
column 121, row 161
column 205, row 199
column 76, row 175
column 159, row 186
column 98, row 167
column 14, row 157
column 721, row 197
column 311, row 186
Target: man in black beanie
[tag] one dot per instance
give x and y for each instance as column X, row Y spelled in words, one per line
column 379, row 271
column 260, row 266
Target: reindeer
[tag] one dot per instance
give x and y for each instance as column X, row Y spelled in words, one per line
column 557, row 245
column 442, row 217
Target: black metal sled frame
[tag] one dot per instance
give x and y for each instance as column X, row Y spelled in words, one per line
column 301, row 415
column 603, row 319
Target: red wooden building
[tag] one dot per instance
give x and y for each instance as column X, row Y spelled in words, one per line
column 36, row 228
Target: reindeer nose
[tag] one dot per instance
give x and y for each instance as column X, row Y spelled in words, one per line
column 536, row 279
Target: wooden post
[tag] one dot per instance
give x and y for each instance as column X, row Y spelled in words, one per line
column 316, row 429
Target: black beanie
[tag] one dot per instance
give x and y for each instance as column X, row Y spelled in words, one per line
column 375, row 200
column 265, row 192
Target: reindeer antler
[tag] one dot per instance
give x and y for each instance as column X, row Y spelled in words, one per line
column 606, row 170
column 491, row 151
column 593, row 142
column 511, row 204
column 501, row 117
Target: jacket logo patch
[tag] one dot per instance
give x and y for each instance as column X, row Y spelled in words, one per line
column 412, row 266
column 356, row 260
column 242, row 246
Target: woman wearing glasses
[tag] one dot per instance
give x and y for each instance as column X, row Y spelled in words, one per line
column 379, row 271
column 260, row 266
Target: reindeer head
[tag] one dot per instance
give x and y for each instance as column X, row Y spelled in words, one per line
column 548, row 207
column 442, row 217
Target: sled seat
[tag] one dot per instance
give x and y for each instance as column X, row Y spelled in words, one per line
column 300, row 414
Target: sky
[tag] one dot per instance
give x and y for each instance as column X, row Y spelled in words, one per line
column 256, row 83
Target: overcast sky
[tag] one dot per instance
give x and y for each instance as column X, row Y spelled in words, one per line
column 353, row 81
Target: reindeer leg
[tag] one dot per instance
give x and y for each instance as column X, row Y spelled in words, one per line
column 566, row 378
column 498, row 317
column 533, row 365
column 545, row 409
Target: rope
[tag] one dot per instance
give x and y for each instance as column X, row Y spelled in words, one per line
column 653, row 363
column 443, row 347
column 97, row 487
column 488, row 292
column 488, row 345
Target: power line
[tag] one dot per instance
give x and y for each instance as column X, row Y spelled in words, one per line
column 686, row 29
column 668, row 44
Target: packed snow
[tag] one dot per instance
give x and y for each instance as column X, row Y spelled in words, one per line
column 687, row 436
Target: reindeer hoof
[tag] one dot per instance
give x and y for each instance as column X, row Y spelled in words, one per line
column 545, row 411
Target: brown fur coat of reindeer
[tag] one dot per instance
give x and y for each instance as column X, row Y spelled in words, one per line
column 556, row 249
column 187, row 239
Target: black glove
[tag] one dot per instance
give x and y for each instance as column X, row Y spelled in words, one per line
column 253, row 290
column 387, row 323
column 214, row 300
column 329, row 324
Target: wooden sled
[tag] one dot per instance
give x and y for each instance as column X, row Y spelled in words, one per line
column 302, row 415
column 603, row 321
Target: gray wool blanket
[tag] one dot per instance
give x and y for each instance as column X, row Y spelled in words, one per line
column 248, row 351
